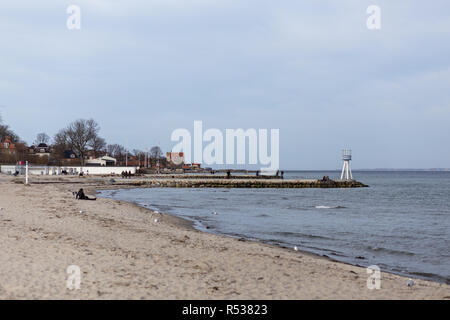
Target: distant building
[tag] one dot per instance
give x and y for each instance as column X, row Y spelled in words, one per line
column 134, row 161
column 41, row 150
column 12, row 152
column 7, row 146
column 69, row 158
column 191, row 166
column 69, row 154
column 95, row 154
column 102, row 161
column 176, row 158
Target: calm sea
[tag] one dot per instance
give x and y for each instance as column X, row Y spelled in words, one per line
column 400, row 223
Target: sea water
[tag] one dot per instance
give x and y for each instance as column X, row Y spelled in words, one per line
column 401, row 223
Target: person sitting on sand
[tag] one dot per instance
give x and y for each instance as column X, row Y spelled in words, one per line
column 82, row 196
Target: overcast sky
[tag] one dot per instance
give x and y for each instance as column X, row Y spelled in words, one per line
column 309, row 68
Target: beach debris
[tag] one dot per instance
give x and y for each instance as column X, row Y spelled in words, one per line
column 81, row 211
column 1, row 209
column 156, row 220
column 112, row 180
column 295, row 248
column 410, row 282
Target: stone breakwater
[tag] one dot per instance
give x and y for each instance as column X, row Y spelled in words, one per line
column 192, row 182
column 240, row 183
column 213, row 176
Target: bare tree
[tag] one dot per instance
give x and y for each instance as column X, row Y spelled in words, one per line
column 140, row 155
column 42, row 138
column 5, row 131
column 60, row 144
column 78, row 136
column 97, row 144
column 116, row 151
column 155, row 152
column 60, row 141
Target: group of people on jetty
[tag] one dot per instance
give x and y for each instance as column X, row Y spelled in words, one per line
column 126, row 174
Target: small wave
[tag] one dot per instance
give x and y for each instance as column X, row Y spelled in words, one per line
column 390, row 251
column 298, row 235
column 329, row 207
column 426, row 275
column 295, row 208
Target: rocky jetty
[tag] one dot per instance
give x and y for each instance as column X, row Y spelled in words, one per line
column 241, row 183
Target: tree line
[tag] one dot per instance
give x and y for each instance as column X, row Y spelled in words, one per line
column 81, row 137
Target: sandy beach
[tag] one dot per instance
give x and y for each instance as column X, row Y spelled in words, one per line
column 127, row 252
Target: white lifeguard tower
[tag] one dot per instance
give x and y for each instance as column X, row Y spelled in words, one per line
column 346, row 171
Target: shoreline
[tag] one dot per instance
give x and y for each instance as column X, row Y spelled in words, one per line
column 190, row 224
column 124, row 254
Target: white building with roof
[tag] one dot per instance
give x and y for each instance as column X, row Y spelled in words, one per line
column 102, row 161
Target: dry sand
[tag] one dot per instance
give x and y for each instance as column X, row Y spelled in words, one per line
column 124, row 254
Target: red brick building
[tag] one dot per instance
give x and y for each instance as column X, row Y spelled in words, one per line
column 7, row 146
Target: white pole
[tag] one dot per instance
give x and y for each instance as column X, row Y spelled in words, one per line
column 346, row 168
column 26, row 172
column 343, row 170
